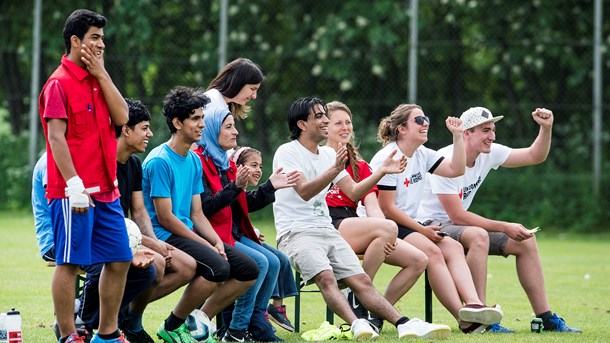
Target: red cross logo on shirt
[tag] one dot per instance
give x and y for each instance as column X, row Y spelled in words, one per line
column 407, row 182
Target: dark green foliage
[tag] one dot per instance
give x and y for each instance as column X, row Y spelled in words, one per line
column 508, row 56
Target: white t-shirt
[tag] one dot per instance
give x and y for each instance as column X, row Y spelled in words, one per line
column 466, row 185
column 409, row 185
column 216, row 100
column 289, row 209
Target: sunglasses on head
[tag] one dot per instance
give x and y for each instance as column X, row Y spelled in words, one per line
column 421, row 119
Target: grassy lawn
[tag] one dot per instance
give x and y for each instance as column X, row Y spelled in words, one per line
column 583, row 302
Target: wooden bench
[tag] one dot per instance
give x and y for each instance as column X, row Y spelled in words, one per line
column 330, row 316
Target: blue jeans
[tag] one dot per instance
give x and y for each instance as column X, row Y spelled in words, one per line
column 285, row 286
column 256, row 298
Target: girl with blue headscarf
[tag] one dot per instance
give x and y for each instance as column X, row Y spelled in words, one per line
column 226, row 205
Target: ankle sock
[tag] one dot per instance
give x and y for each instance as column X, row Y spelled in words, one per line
column 172, row 322
column 546, row 320
column 110, row 336
column 402, row 320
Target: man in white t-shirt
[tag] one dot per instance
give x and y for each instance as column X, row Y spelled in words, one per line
column 446, row 202
column 305, row 232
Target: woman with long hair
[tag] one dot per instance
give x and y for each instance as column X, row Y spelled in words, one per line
column 372, row 236
column 406, row 129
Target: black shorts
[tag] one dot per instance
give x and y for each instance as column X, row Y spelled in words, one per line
column 214, row 267
column 337, row 214
column 404, row 231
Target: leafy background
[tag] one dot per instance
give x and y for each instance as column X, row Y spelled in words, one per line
column 509, row 56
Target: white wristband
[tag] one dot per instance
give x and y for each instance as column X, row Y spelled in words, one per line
column 74, row 186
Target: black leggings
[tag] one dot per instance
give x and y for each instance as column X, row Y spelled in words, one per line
column 214, row 267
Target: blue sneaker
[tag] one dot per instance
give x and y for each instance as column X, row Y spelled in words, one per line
column 497, row 328
column 120, row 339
column 559, row 325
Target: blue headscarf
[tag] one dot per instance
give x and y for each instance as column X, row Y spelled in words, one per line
column 213, row 119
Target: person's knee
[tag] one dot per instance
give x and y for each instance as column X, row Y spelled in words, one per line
column 159, row 263
column 419, row 262
column 325, row 280
column 475, row 239
column 390, row 230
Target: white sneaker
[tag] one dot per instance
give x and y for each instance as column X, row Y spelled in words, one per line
column 417, row 328
column 363, row 330
column 481, row 314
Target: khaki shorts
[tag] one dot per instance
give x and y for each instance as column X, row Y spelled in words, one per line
column 497, row 240
column 316, row 249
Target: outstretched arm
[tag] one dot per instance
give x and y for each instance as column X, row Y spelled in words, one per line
column 539, row 150
column 355, row 190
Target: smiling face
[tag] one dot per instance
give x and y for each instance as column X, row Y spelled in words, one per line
column 254, row 161
column 247, row 93
column 227, row 137
column 138, row 137
column 316, row 126
column 411, row 130
column 481, row 137
column 340, row 129
column 192, row 127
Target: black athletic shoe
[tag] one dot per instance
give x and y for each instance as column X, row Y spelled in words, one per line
column 355, row 304
column 376, row 322
column 237, row 336
column 137, row 336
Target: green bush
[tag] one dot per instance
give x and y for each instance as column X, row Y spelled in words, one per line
column 15, row 174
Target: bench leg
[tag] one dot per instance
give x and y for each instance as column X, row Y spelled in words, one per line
column 428, row 298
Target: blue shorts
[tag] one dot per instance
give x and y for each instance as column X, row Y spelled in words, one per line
column 98, row 236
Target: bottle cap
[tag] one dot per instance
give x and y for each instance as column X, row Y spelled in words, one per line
column 12, row 312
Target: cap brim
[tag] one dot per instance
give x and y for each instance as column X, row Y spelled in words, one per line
column 492, row 120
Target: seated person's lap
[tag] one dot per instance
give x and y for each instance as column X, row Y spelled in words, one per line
column 313, row 250
column 497, row 240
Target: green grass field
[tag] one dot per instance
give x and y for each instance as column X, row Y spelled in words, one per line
column 583, row 302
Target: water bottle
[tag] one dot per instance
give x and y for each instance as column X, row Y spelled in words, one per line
column 537, row 326
column 3, row 336
column 13, row 326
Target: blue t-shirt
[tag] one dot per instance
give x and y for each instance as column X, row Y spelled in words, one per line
column 166, row 174
column 40, row 206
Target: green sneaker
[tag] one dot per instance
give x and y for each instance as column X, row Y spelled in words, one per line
column 180, row 335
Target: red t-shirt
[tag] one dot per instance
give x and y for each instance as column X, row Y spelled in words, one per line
column 336, row 198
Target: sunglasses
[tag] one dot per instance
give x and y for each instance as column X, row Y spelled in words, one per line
column 421, row 119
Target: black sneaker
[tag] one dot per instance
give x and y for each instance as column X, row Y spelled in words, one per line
column 81, row 329
column 355, row 304
column 139, row 336
column 237, row 336
column 278, row 316
column 376, row 322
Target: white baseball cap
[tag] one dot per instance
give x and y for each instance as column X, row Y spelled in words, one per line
column 476, row 116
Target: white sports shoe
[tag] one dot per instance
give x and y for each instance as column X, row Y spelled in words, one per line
column 481, row 314
column 363, row 330
column 417, row 328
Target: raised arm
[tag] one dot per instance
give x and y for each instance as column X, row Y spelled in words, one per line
column 539, row 150
column 119, row 112
column 456, row 166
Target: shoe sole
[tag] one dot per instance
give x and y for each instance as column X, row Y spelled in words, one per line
column 280, row 324
column 366, row 336
column 485, row 316
column 439, row 333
